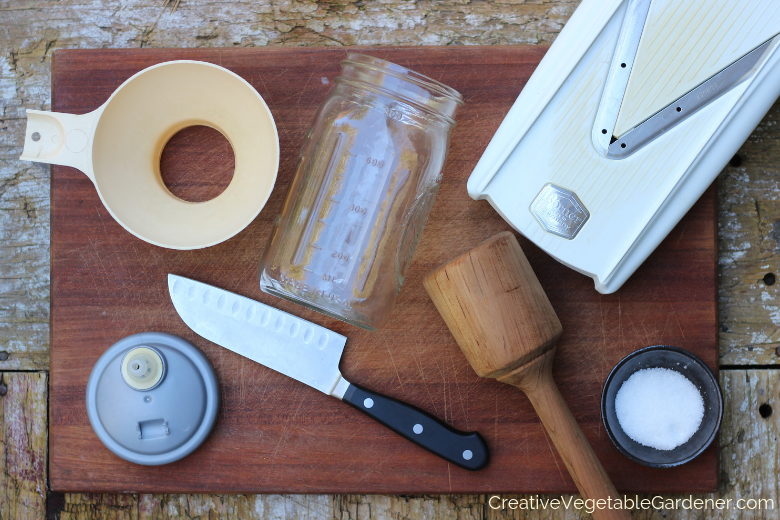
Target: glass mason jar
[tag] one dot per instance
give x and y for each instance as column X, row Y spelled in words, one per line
column 367, row 176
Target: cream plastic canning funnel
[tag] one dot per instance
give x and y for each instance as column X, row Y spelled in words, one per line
column 118, row 146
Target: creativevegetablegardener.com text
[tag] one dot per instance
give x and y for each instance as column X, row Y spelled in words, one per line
column 656, row 502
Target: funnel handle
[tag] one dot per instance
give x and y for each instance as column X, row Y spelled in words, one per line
column 59, row 138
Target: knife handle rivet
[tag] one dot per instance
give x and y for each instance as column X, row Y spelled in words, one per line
column 417, row 428
column 467, row 454
column 368, row 402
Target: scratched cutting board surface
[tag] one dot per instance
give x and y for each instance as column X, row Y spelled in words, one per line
column 276, row 435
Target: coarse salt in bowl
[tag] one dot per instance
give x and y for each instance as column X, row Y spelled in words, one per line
column 661, row 406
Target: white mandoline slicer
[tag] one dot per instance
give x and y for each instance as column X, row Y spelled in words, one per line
column 630, row 116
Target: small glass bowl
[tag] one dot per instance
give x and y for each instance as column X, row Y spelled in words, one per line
column 696, row 371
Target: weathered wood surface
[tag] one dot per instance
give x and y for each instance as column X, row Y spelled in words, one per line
column 748, row 458
column 749, row 217
column 23, row 440
column 749, row 249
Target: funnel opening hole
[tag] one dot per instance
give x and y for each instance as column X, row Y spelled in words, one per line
column 197, row 163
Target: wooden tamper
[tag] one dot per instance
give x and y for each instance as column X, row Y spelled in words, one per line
column 498, row 312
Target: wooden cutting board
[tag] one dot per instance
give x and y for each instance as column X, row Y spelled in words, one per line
column 276, row 435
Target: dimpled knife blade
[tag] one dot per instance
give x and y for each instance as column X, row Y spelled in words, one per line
column 294, row 347
column 310, row 354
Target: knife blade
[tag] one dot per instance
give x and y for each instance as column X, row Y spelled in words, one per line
column 311, row 354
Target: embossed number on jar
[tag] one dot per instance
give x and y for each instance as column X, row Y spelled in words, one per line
column 344, row 257
column 357, row 209
column 375, row 162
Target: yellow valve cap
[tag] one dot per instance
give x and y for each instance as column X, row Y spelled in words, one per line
column 143, row 368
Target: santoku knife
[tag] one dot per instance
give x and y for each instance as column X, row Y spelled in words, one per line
column 310, row 354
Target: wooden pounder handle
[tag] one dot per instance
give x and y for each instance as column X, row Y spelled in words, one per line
column 503, row 321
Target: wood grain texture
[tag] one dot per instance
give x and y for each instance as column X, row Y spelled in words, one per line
column 22, row 445
column 78, row 506
column 494, row 306
column 535, row 380
column 749, row 458
column 504, row 323
column 30, row 33
column 274, row 434
column 209, row 167
column 749, row 245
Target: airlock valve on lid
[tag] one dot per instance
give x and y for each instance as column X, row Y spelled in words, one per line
column 143, row 368
column 152, row 398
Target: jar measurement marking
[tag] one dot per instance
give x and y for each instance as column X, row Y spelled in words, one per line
column 350, row 233
column 353, row 221
column 367, row 151
column 340, row 256
column 334, row 162
column 331, row 278
column 379, row 163
column 305, row 288
column 357, row 209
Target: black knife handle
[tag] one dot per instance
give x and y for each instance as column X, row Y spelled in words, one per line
column 465, row 449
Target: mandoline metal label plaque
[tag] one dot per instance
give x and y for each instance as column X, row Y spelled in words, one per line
column 559, row 211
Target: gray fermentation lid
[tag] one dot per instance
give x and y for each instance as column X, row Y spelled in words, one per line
column 152, row 398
